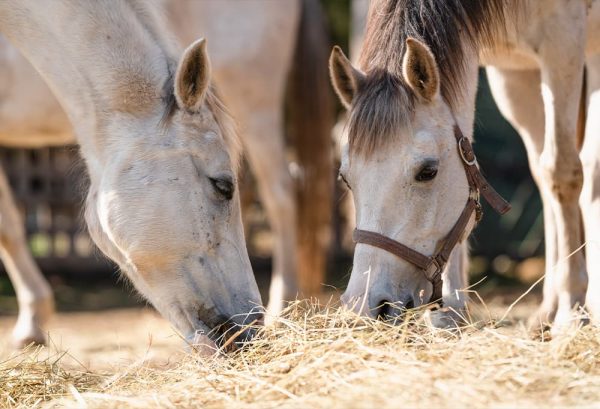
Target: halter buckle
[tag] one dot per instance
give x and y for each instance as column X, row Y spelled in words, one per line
column 432, row 273
column 478, row 212
column 462, row 153
column 475, row 196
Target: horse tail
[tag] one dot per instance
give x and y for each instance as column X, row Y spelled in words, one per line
column 310, row 120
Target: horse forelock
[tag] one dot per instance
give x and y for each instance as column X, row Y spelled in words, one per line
column 384, row 103
column 382, row 107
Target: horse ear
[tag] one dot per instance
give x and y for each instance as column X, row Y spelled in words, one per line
column 192, row 78
column 345, row 78
column 420, row 70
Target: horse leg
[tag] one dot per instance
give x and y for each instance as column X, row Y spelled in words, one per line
column 590, row 195
column 35, row 299
column 265, row 150
column 518, row 96
column 560, row 168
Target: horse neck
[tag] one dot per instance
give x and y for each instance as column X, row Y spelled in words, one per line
column 100, row 58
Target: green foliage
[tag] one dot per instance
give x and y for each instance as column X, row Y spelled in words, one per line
column 338, row 13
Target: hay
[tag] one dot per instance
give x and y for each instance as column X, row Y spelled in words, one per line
column 27, row 378
column 320, row 356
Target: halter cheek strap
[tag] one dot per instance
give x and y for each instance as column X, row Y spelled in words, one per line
column 433, row 266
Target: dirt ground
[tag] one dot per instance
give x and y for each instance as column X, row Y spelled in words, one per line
column 103, row 340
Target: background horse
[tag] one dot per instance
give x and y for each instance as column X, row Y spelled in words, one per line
column 161, row 152
column 408, row 94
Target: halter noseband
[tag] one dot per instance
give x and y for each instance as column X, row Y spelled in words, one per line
column 433, row 266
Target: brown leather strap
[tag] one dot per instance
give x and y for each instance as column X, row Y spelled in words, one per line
column 490, row 195
column 474, row 176
column 391, row 246
column 425, row 263
column 457, row 232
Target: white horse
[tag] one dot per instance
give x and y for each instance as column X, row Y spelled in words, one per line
column 416, row 80
column 161, row 152
column 251, row 53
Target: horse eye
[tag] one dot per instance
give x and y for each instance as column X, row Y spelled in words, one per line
column 427, row 173
column 343, row 179
column 224, row 187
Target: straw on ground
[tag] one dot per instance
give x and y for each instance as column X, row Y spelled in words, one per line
column 320, row 356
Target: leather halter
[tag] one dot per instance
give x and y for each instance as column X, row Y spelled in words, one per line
column 433, row 266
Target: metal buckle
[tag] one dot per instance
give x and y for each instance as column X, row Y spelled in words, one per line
column 431, row 273
column 474, row 195
column 478, row 212
column 462, row 152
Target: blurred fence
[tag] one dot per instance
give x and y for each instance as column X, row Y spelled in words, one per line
column 48, row 185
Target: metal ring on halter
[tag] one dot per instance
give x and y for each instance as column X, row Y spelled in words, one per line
column 462, row 153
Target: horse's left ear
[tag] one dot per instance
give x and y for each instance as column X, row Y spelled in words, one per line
column 345, row 78
column 420, row 70
column 192, row 78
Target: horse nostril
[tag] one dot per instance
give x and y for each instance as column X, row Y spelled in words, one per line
column 383, row 310
column 386, row 309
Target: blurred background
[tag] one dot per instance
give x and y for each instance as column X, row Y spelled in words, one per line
column 50, row 185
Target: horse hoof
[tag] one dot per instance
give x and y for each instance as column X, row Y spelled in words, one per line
column 540, row 324
column 566, row 321
column 34, row 339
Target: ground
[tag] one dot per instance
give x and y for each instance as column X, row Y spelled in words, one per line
column 313, row 357
column 100, row 340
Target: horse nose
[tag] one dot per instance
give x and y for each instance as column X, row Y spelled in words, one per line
column 385, row 308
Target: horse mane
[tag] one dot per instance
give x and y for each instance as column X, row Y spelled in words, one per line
column 385, row 103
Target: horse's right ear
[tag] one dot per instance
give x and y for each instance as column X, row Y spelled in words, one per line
column 192, row 78
column 345, row 78
column 420, row 70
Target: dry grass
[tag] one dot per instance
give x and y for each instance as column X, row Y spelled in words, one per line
column 318, row 356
